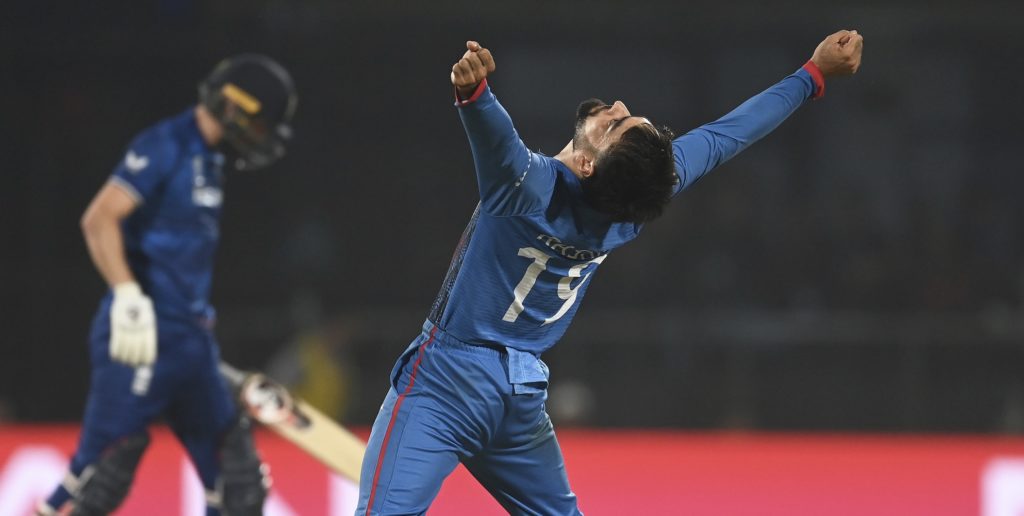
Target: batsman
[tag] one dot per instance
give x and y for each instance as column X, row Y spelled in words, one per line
column 152, row 231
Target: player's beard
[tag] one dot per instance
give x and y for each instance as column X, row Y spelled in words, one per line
column 583, row 112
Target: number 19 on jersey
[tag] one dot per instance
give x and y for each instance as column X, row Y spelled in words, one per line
column 565, row 289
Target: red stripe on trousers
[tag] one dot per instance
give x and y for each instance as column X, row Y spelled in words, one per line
column 394, row 415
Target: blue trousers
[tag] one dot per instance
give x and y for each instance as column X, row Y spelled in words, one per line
column 452, row 402
column 184, row 386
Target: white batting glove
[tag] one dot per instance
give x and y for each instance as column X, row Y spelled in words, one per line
column 132, row 326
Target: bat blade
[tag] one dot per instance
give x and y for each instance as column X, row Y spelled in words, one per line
column 297, row 421
column 325, row 440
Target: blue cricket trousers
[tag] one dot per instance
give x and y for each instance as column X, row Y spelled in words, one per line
column 184, row 386
column 452, row 402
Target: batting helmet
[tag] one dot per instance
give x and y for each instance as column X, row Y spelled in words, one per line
column 254, row 99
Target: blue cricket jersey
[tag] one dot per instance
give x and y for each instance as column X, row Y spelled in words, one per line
column 531, row 249
column 171, row 237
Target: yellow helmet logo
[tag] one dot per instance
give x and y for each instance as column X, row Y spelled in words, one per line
column 243, row 99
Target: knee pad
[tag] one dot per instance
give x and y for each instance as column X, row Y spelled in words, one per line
column 244, row 479
column 104, row 485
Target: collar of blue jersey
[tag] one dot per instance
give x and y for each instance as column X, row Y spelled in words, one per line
column 572, row 183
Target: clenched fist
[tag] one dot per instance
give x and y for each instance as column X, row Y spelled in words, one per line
column 476, row 64
column 839, row 54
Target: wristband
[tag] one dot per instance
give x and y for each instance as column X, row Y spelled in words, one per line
column 817, row 77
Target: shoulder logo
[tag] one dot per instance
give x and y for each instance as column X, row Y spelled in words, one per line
column 135, row 163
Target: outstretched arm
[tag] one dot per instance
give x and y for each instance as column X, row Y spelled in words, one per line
column 512, row 180
column 704, row 148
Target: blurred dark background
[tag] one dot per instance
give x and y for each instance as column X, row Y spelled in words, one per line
column 859, row 269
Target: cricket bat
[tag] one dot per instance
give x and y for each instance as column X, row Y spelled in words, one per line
column 270, row 403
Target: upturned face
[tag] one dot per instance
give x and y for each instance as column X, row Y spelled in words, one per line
column 599, row 124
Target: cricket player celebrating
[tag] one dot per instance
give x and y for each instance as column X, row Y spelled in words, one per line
column 152, row 231
column 471, row 388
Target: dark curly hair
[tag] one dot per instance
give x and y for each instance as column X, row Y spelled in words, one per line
column 634, row 178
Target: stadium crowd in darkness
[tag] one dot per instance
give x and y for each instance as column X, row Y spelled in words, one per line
column 899, row 196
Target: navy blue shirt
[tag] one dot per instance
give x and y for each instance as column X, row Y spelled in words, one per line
column 171, row 237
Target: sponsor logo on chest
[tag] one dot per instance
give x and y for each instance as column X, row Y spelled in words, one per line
column 204, row 194
column 568, row 251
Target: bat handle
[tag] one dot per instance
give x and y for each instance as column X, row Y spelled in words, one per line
column 231, row 374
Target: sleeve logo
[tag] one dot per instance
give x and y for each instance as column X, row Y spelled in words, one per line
column 135, row 163
column 519, row 182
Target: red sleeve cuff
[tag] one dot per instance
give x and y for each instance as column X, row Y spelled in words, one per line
column 819, row 79
column 476, row 94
